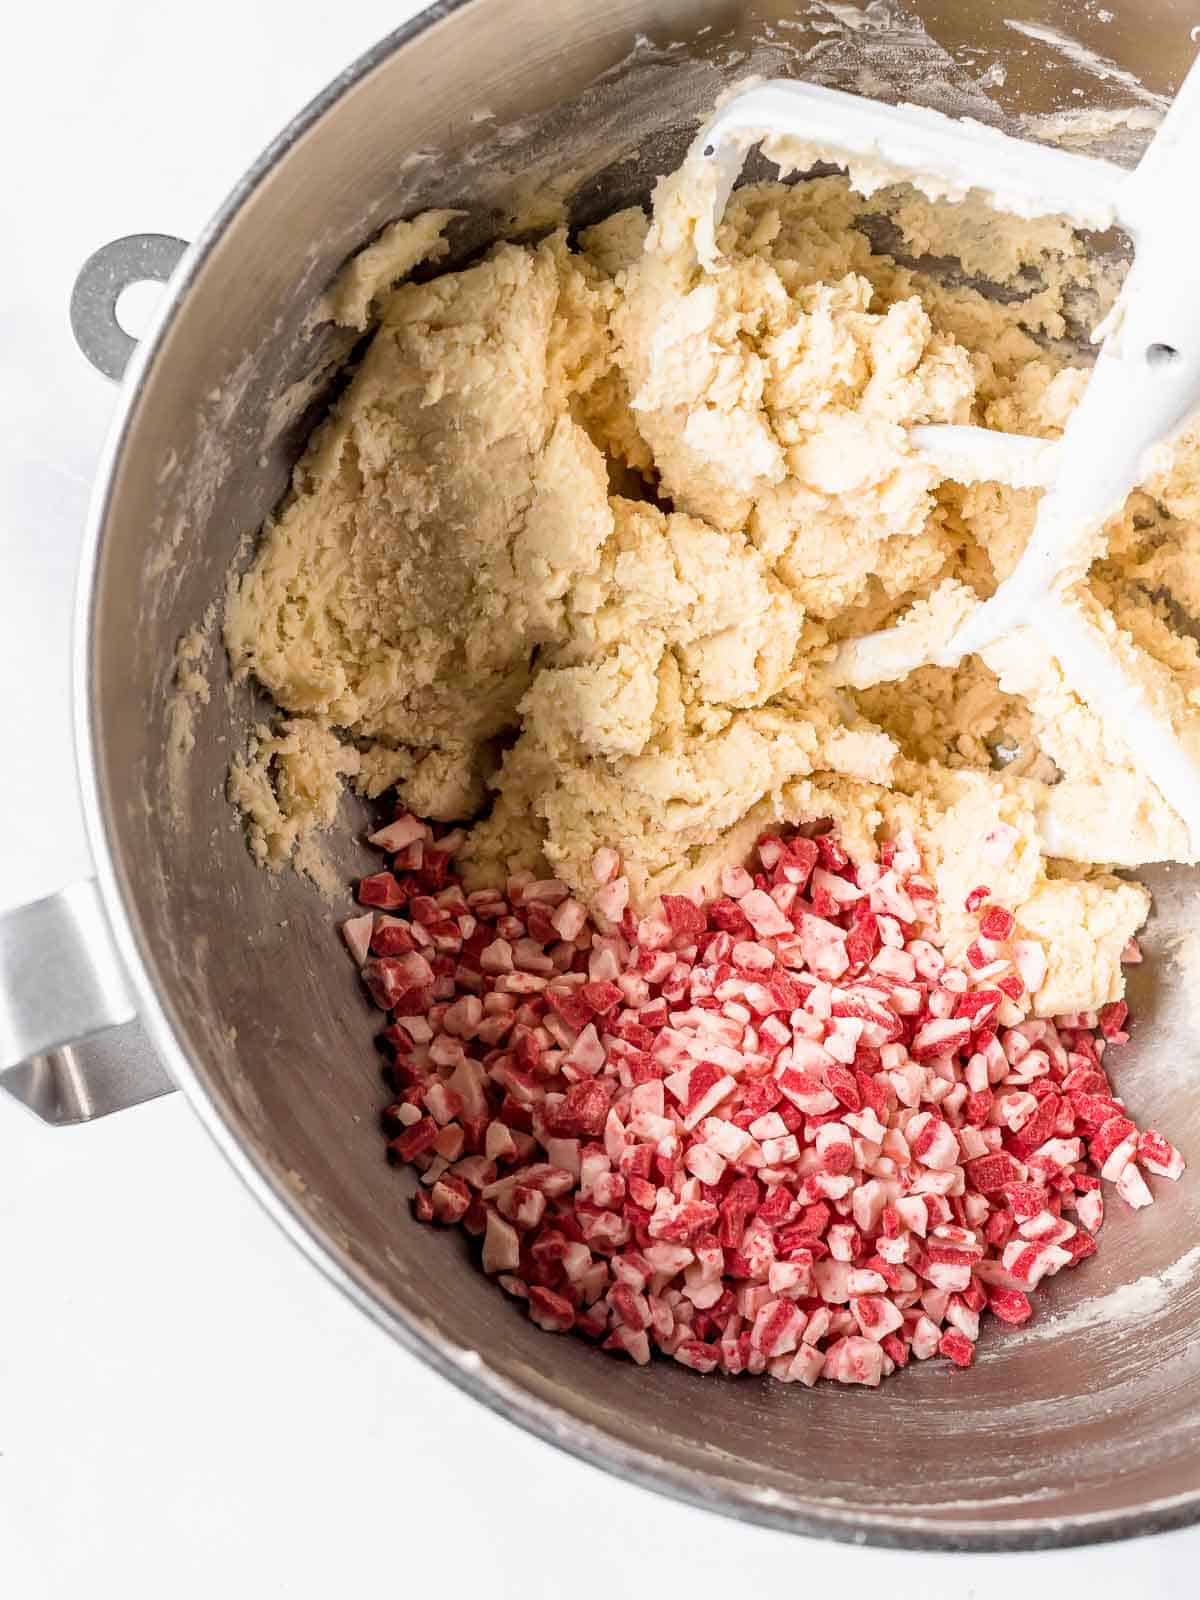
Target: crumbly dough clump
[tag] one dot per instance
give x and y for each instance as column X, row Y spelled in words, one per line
column 568, row 559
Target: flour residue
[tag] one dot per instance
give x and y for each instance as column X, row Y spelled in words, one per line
column 1090, row 61
column 1127, row 1303
column 883, row 51
column 1184, row 955
column 191, row 691
column 854, row 19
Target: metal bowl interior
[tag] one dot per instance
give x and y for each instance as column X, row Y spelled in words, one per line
column 1085, row 1425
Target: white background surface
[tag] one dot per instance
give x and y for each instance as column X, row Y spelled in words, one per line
column 185, row 1407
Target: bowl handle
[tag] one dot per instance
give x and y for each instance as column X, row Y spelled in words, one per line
column 103, row 278
column 71, row 1048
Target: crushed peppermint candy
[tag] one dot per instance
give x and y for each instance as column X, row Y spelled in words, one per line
column 775, row 1132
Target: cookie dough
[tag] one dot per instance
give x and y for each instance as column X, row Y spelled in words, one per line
column 569, row 558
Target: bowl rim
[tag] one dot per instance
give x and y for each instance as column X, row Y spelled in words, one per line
column 552, row 1423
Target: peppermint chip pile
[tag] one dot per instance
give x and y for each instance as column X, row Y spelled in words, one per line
column 774, row 1132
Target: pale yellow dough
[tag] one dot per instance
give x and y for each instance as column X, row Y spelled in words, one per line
column 569, row 556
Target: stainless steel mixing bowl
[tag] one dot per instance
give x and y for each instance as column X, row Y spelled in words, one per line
column 1085, row 1425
